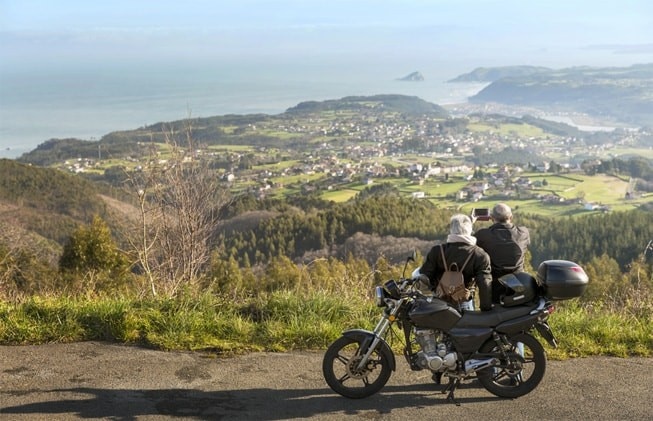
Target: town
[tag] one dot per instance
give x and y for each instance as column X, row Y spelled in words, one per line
column 337, row 152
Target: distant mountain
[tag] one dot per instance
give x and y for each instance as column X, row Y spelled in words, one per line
column 491, row 74
column 392, row 103
column 618, row 94
column 413, row 77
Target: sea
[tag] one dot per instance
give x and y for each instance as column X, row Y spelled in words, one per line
column 88, row 101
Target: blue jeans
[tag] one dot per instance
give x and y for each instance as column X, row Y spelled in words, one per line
column 467, row 305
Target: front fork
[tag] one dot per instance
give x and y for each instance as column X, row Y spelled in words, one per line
column 377, row 336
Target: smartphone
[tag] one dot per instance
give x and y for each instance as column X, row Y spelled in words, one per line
column 481, row 214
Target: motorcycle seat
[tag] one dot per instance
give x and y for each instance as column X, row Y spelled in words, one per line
column 494, row 317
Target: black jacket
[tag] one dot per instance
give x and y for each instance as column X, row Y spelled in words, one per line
column 506, row 245
column 477, row 272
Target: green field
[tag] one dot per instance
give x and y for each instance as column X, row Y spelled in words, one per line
column 627, row 152
column 517, row 130
column 578, row 189
column 340, row 195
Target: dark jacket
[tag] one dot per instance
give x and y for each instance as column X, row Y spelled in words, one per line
column 477, row 272
column 506, row 244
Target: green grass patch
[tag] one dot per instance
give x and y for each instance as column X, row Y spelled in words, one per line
column 508, row 129
column 340, row 195
column 299, row 178
column 595, row 330
column 277, row 166
column 279, row 321
column 624, row 153
column 231, row 148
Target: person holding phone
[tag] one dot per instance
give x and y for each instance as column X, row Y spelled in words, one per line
column 505, row 243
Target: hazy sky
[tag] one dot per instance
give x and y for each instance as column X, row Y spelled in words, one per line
column 555, row 33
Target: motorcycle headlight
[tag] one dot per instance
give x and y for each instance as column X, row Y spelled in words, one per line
column 379, row 297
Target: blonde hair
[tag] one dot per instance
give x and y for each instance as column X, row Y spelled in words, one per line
column 460, row 225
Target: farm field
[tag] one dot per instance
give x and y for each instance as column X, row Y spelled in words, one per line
column 603, row 191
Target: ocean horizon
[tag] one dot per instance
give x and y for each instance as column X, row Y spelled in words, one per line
column 88, row 102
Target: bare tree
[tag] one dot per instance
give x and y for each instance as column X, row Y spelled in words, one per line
column 143, row 234
column 180, row 201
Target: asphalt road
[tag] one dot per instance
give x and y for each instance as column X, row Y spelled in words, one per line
column 93, row 380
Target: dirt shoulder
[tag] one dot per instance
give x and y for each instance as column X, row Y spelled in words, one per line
column 94, row 380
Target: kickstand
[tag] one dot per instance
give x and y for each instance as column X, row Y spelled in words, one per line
column 451, row 387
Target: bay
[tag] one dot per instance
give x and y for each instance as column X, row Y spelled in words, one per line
column 90, row 100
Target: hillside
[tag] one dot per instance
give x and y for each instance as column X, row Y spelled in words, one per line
column 623, row 95
column 233, row 129
column 402, row 104
column 491, row 74
column 44, row 205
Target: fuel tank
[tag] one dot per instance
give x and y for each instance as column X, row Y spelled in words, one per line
column 433, row 313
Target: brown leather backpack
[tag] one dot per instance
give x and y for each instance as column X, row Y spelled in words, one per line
column 451, row 286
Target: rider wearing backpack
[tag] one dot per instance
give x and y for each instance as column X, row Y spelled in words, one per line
column 460, row 247
column 506, row 245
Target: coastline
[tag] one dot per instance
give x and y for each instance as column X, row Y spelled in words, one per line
column 28, row 121
column 581, row 121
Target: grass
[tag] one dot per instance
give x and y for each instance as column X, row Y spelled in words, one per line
column 587, row 331
column 231, row 148
column 625, row 152
column 279, row 321
column 340, row 195
column 509, row 129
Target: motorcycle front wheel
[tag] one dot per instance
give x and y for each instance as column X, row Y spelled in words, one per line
column 519, row 373
column 341, row 372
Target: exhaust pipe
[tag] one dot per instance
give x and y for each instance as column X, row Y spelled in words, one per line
column 472, row 366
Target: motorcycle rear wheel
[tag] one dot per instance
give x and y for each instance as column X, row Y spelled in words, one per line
column 519, row 374
column 341, row 374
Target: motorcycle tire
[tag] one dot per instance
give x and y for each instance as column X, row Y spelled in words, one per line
column 519, row 375
column 339, row 369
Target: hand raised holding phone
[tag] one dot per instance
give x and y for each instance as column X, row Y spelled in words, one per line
column 480, row 214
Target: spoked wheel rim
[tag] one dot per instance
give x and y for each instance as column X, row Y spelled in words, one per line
column 520, row 372
column 342, row 374
column 513, row 370
column 351, row 365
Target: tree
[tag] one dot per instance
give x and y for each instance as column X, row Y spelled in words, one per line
column 180, row 201
column 554, row 167
column 281, row 273
column 91, row 248
column 91, row 252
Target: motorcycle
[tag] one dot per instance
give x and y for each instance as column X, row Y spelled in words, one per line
column 497, row 347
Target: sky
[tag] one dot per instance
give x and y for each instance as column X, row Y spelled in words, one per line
column 554, row 33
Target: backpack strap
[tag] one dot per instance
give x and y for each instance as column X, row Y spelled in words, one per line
column 444, row 260
column 466, row 260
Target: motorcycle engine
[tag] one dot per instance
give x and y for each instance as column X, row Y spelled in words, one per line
column 434, row 355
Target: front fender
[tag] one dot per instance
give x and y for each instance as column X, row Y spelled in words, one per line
column 365, row 338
